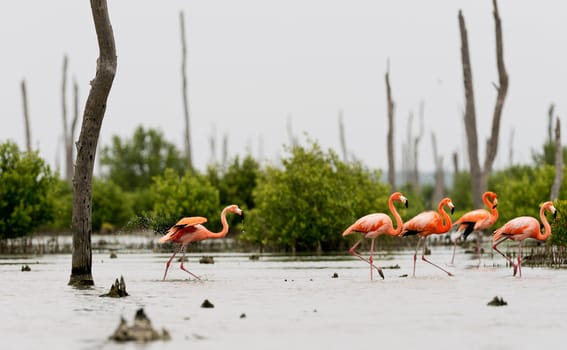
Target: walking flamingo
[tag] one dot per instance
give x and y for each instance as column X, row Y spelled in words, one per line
column 521, row 228
column 477, row 221
column 190, row 229
column 374, row 225
column 426, row 224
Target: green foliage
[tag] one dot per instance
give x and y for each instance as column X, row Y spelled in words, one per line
column 237, row 183
column 132, row 163
column 559, row 226
column 63, row 205
column 521, row 190
column 547, row 157
column 112, row 207
column 461, row 194
column 177, row 196
column 25, row 185
column 307, row 205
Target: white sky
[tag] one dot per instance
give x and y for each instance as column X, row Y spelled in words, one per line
column 254, row 62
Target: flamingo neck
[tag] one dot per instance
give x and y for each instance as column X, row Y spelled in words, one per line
column 491, row 207
column 546, row 226
column 399, row 222
column 224, row 230
column 447, row 225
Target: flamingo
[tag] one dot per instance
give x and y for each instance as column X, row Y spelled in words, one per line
column 426, row 224
column 476, row 221
column 374, row 225
column 190, row 229
column 521, row 228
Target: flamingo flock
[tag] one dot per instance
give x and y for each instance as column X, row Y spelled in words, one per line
column 371, row 226
column 439, row 222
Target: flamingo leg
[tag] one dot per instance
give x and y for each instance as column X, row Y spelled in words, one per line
column 495, row 247
column 478, row 243
column 169, row 261
column 372, row 262
column 353, row 251
column 519, row 260
column 415, row 254
column 455, row 248
column 430, row 262
column 183, row 267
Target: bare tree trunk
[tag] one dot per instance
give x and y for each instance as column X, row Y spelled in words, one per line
column 81, row 271
column 558, row 163
column 455, row 163
column 342, row 136
column 492, row 143
column 470, row 115
column 511, row 146
column 75, row 118
column 439, row 174
column 224, row 151
column 26, row 116
column 188, row 153
column 415, row 172
column 390, row 145
column 550, row 123
column 292, row 138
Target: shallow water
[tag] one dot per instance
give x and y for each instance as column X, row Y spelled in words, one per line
column 288, row 302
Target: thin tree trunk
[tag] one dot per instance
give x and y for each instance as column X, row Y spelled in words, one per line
column 26, row 116
column 390, row 138
column 558, row 163
column 470, row 115
column 342, row 136
column 455, row 164
column 439, row 174
column 81, row 268
column 188, row 153
column 511, row 150
column 75, row 118
column 415, row 172
column 492, row 143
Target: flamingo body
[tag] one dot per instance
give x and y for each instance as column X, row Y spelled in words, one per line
column 190, row 229
column 426, row 224
column 521, row 228
column 477, row 221
column 374, row 225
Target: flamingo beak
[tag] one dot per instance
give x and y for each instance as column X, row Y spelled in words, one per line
column 452, row 210
column 407, row 203
column 554, row 214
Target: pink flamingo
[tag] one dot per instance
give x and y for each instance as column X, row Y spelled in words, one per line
column 190, row 229
column 521, row 228
column 426, row 224
column 374, row 225
column 476, row 221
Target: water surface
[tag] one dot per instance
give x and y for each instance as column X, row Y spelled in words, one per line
column 288, row 302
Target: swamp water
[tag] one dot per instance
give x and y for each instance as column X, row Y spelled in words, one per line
column 281, row 302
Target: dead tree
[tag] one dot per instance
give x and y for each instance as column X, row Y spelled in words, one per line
column 81, row 268
column 26, row 116
column 187, row 138
column 290, row 134
column 479, row 177
column 556, row 187
column 439, row 174
column 68, row 131
column 414, row 142
column 511, row 148
column 390, row 137
column 342, row 136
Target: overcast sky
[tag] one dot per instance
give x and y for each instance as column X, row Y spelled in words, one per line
column 254, row 63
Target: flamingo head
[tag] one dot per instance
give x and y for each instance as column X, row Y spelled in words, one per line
column 398, row 196
column 233, row 208
column 447, row 202
column 549, row 206
column 493, row 198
